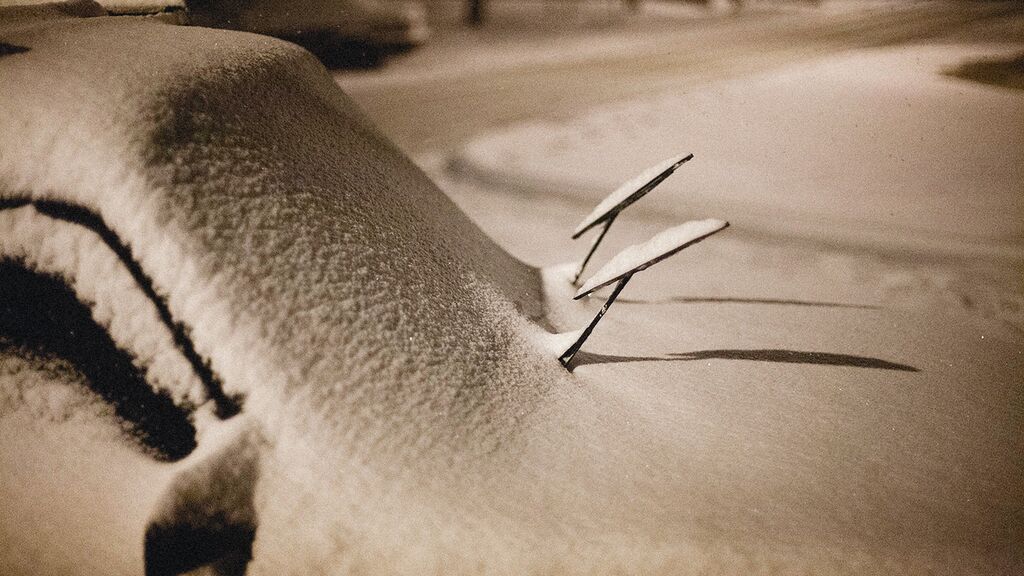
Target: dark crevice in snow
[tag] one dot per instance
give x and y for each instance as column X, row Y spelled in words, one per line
column 40, row 314
column 207, row 521
column 7, row 49
column 226, row 406
column 223, row 548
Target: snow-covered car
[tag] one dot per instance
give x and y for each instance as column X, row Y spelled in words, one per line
column 199, row 229
column 241, row 332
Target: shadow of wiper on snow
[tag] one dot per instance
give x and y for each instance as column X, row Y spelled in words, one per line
column 1004, row 72
column 6, row 49
column 775, row 301
column 761, row 355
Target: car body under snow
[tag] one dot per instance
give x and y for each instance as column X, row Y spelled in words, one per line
column 241, row 332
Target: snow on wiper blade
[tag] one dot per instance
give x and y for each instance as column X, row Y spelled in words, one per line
column 142, row 7
column 631, row 191
column 641, row 256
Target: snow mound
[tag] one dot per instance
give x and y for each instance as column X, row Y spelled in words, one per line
column 241, row 170
column 556, row 344
column 641, row 256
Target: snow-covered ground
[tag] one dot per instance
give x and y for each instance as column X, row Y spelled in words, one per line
column 849, row 352
column 878, row 148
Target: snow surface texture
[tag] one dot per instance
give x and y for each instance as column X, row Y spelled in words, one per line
column 37, row 9
column 640, row 256
column 91, row 520
column 141, row 6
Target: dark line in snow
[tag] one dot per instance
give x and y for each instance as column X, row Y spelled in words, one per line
column 762, row 355
column 226, row 406
column 42, row 320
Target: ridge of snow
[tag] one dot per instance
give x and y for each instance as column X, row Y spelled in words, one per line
column 98, row 277
column 557, row 343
